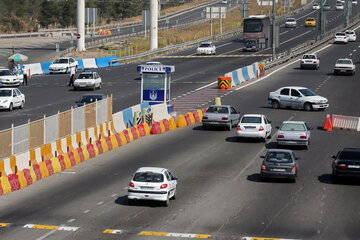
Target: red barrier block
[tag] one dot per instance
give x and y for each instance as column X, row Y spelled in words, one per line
column 108, row 143
column 49, row 167
column 27, row 176
column 196, row 116
column 118, row 139
column 1, row 190
column 141, row 130
column 203, row 110
column 81, row 154
column 91, row 150
column 155, row 128
column 71, row 158
column 134, row 133
column 99, row 146
column 188, row 120
column 62, row 162
column 126, row 136
column 166, row 124
column 37, row 171
column 14, row 182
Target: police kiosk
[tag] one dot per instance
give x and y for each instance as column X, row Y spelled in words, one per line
column 155, row 83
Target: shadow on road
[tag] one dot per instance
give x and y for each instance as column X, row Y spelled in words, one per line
column 256, row 177
column 123, row 200
column 328, row 179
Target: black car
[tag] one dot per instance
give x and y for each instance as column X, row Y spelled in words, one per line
column 250, row 46
column 346, row 163
column 279, row 163
column 90, row 98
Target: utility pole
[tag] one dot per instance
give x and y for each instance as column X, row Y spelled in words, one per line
column 273, row 31
column 322, row 20
column 81, row 25
column 347, row 15
column 154, row 11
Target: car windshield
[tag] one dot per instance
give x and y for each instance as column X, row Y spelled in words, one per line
column 340, row 34
column 292, row 127
column 148, row 177
column 217, row 110
column 279, row 157
column 61, row 60
column 89, row 99
column 350, row 155
column 307, row 92
column 310, row 19
column 6, row 73
column 5, row 93
column 309, row 57
column 86, row 76
column 343, row 61
column 290, row 20
column 205, row 45
column 350, row 33
column 251, row 120
column 153, row 63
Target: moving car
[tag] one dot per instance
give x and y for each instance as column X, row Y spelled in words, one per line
column 63, row 65
column 297, row 97
column 224, row 1
column 351, row 35
column 279, row 163
column 250, row 46
column 310, row 22
column 310, row 61
column 326, row 7
column 10, row 79
column 220, row 115
column 341, row 37
column 90, row 98
column 316, row 6
column 344, row 66
column 151, row 183
column 293, row 133
column 88, row 79
column 254, row 126
column 346, row 163
column 339, row 6
column 206, row 48
column 354, row 2
column 290, row 22
column 11, row 98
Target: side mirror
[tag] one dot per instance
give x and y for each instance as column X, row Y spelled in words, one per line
column 269, row 121
column 262, row 156
column 277, row 127
column 175, row 178
column 297, row 158
column 333, row 156
column 318, row 58
column 76, row 101
column 310, row 128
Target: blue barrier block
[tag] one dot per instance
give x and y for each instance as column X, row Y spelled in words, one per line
column 235, row 77
column 128, row 117
column 144, row 105
column 45, row 67
column 245, row 73
column 102, row 62
column 81, row 64
column 254, row 69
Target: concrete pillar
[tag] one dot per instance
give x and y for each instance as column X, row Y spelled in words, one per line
column 81, row 25
column 154, row 11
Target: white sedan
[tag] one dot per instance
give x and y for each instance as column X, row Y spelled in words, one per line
column 316, row 6
column 351, row 35
column 341, row 37
column 63, row 65
column 11, row 98
column 152, row 183
column 339, row 6
column 88, row 79
column 254, row 126
column 10, row 79
column 207, row 48
column 344, row 66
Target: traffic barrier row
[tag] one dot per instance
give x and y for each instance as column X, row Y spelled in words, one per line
column 341, row 122
column 244, row 74
column 43, row 68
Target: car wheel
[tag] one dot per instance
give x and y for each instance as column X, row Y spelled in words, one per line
column 308, row 107
column 99, row 85
column 230, row 126
column 94, row 87
column 205, row 127
column 174, row 196
column 22, row 105
column 166, row 202
column 67, row 70
column 275, row 104
column 335, row 73
column 10, row 107
column 293, row 180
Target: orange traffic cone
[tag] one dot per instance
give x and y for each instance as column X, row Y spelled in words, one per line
column 328, row 124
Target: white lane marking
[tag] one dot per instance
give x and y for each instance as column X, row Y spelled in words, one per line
column 100, row 203
column 350, row 54
column 284, row 32
column 86, row 211
column 114, row 195
column 47, row 234
column 177, row 79
column 354, row 50
column 295, row 37
column 71, row 220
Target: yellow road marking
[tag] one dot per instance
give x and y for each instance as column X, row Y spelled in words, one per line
column 257, row 238
column 153, row 233
column 202, row 236
column 47, row 227
column 70, row 170
column 4, row 224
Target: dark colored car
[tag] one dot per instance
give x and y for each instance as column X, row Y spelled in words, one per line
column 346, row 163
column 90, row 98
column 250, row 46
column 279, row 163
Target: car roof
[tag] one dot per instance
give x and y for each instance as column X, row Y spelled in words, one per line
column 252, row 115
column 309, row 54
column 94, row 94
column 220, row 106
column 351, row 149
column 151, row 169
column 7, row 88
column 280, row 150
column 206, row 43
column 296, row 122
column 294, row 87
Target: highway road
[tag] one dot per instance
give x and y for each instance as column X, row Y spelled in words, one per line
column 47, row 94
column 220, row 192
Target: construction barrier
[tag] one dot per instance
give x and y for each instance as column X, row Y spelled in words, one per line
column 22, row 180
column 181, row 122
column 14, row 182
column 224, row 82
column 172, row 123
column 155, row 128
column 27, row 176
column 5, row 184
column 243, row 74
column 345, row 122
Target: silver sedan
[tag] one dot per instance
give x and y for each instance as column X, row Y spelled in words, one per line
column 293, row 133
column 220, row 115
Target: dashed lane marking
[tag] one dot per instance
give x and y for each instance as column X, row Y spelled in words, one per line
column 166, row 234
column 50, row 227
column 113, row 231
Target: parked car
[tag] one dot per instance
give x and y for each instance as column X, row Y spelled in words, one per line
column 206, row 48
column 346, row 163
column 351, row 35
column 10, row 79
column 250, row 46
column 220, row 115
column 316, row 6
column 290, row 22
column 344, row 66
column 310, row 22
column 90, row 98
column 310, row 61
column 339, row 6
column 297, row 97
column 341, row 37
column 254, row 126
column 293, row 133
column 354, row 2
column 224, row 1
column 279, row 163
column 88, row 79
column 326, row 7
column 63, row 65
column 150, row 183
column 11, row 98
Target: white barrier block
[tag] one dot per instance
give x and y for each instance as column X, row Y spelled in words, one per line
column 7, row 167
column 38, row 155
column 251, row 72
column 35, row 68
column 92, row 135
column 22, row 160
column 63, row 145
column 89, row 63
column 83, row 138
column 160, row 112
column 118, row 120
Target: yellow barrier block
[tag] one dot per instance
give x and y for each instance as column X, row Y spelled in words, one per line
column 22, row 179
column 85, row 152
column 104, row 145
column 55, row 164
column 192, row 118
column 164, row 234
column 147, row 129
column 32, row 174
column 2, row 225
column 5, row 184
column 181, row 122
column 130, row 134
column 43, row 169
column 96, row 150
column 76, row 156
column 137, row 131
column 67, row 160
column 162, row 126
column 114, row 142
column 200, row 113
column 172, row 124
column 122, row 138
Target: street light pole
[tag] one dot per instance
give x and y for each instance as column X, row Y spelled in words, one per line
column 273, row 30
column 81, row 25
column 322, row 20
column 347, row 13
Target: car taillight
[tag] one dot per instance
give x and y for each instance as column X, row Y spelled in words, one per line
column 341, row 165
column 280, row 136
column 163, row 186
column 205, row 117
column 314, row 62
column 261, row 128
column 302, row 61
column 239, row 128
column 293, row 169
column 303, row 137
column 224, row 118
column 131, row 184
column 263, row 167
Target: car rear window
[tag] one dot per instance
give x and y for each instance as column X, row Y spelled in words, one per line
column 340, row 34
column 251, row 120
column 350, row 155
column 205, row 45
column 217, row 110
column 341, row 61
column 148, row 177
column 279, row 157
column 309, row 57
column 292, row 127
column 86, row 76
column 5, row 93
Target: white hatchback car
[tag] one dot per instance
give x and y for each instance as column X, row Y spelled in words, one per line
column 341, row 37
column 11, row 98
column 351, row 35
column 88, row 79
column 151, row 183
column 9, row 78
column 339, row 6
column 254, row 126
column 316, row 6
column 207, row 48
column 63, row 65
column 290, row 22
